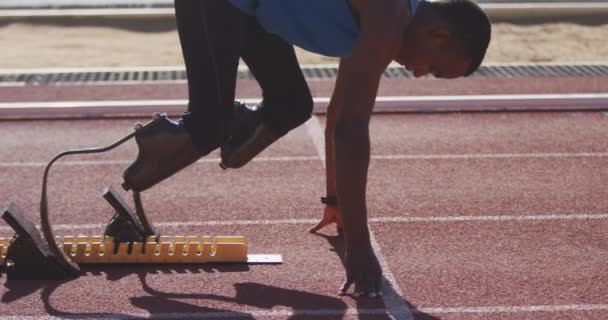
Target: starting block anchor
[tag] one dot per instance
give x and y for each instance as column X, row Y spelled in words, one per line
column 27, row 256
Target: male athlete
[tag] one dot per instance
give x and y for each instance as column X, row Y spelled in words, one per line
column 445, row 38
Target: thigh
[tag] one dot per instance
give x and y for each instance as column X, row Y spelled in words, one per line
column 211, row 34
column 273, row 62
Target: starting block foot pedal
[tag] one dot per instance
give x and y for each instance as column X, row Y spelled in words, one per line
column 126, row 225
column 27, row 256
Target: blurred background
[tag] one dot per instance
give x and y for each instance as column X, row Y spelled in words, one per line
column 129, row 33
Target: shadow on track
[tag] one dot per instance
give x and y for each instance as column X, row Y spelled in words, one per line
column 17, row 289
column 160, row 304
column 298, row 303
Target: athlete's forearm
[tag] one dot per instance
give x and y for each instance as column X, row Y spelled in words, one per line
column 330, row 129
column 336, row 105
column 352, row 152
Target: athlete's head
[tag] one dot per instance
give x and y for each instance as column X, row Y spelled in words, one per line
column 446, row 38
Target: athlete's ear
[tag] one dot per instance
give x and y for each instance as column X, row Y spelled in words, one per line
column 440, row 37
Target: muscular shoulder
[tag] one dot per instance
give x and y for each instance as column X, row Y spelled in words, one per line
column 382, row 10
column 382, row 23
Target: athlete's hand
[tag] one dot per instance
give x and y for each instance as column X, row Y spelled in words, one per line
column 330, row 215
column 364, row 271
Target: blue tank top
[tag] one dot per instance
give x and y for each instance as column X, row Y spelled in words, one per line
column 326, row 27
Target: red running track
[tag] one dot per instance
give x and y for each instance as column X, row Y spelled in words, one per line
column 475, row 215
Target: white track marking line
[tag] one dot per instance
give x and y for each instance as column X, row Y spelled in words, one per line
column 13, row 84
column 319, row 313
column 547, row 217
column 94, row 12
column 305, row 158
column 317, row 134
column 447, row 103
column 93, row 69
column 392, row 219
column 90, row 104
column 396, row 306
column 517, row 98
column 490, row 156
column 180, row 68
column 244, row 67
column 518, row 309
column 116, row 162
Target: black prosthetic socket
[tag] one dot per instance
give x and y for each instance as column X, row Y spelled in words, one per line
column 248, row 136
column 206, row 135
column 253, row 129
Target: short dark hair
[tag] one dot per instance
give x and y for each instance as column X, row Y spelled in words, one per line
column 469, row 24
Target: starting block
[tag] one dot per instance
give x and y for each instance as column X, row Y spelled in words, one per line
column 128, row 239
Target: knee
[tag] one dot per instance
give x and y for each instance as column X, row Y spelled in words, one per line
column 300, row 105
column 289, row 111
column 304, row 106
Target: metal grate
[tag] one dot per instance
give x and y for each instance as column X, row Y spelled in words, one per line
column 310, row 72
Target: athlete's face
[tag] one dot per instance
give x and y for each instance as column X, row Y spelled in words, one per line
column 433, row 52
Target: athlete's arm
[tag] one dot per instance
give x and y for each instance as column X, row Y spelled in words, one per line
column 381, row 22
column 331, row 213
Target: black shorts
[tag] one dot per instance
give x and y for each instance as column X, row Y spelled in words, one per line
column 214, row 35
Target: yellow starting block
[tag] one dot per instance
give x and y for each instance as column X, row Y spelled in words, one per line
column 25, row 256
column 161, row 250
column 3, row 249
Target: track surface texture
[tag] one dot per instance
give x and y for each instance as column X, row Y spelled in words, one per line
column 474, row 216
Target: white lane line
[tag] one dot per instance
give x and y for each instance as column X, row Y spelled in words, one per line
column 393, row 219
column 177, row 68
column 304, row 158
column 116, row 162
column 396, row 306
column 490, row 156
column 517, row 309
column 96, row 12
column 548, row 217
column 91, row 104
column 13, row 84
column 317, row 134
column 318, row 312
column 451, row 103
column 181, row 68
column 479, row 100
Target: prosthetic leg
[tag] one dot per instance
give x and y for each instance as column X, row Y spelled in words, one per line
column 164, row 149
column 249, row 136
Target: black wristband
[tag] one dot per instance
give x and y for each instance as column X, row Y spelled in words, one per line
column 330, row 200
